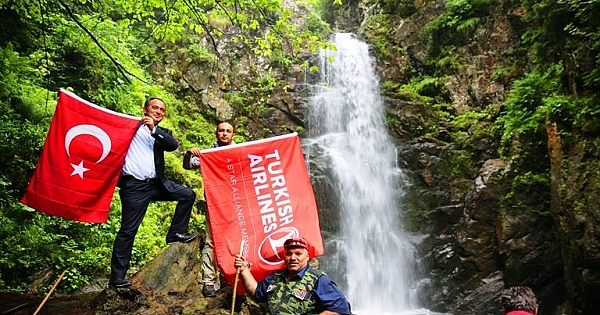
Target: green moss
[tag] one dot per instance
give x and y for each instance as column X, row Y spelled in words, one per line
column 460, row 164
column 506, row 75
column 529, row 192
column 300, row 130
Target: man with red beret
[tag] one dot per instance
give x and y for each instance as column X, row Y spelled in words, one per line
column 298, row 288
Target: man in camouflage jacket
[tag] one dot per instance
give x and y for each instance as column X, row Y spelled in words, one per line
column 297, row 289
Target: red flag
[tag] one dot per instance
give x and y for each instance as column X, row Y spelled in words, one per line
column 82, row 158
column 259, row 192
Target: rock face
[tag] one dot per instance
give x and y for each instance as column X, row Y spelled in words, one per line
column 478, row 247
column 168, row 285
column 179, row 264
column 482, row 235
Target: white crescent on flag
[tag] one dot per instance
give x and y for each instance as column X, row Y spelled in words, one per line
column 54, row 189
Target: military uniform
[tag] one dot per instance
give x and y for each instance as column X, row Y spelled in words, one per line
column 310, row 291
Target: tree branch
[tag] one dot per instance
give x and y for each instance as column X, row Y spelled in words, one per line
column 119, row 66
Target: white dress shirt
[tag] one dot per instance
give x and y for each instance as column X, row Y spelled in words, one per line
column 139, row 161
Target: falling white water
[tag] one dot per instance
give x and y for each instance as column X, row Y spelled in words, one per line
column 347, row 130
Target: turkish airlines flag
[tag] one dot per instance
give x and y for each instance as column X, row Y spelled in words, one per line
column 82, row 158
column 259, row 192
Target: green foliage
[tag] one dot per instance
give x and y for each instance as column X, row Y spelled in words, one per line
column 470, row 118
column 529, row 191
column 53, row 50
column 424, row 112
column 460, row 163
column 506, row 75
column 382, row 34
column 401, row 8
column 566, row 31
column 427, row 88
column 32, row 69
column 36, row 243
column 449, row 60
column 322, row 8
column 561, row 44
column 253, row 102
column 196, row 53
column 419, row 86
column 262, row 26
column 25, row 120
column 20, row 92
column 316, row 24
column 389, row 86
column 528, row 108
column 408, row 92
column 461, row 18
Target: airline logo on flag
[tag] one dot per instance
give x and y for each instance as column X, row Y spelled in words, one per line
column 82, row 158
column 259, row 192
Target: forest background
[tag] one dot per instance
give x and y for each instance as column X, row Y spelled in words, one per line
column 540, row 112
column 104, row 51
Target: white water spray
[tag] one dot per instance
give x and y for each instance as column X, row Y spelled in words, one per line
column 346, row 123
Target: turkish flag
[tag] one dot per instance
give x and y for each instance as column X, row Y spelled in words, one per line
column 82, row 158
column 259, row 192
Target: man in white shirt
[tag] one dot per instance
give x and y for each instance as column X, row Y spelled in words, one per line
column 143, row 180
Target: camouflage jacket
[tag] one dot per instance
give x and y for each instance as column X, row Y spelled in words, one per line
column 295, row 296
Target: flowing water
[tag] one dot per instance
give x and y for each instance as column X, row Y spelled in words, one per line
column 368, row 254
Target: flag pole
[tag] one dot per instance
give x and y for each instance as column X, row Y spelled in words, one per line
column 235, row 283
column 50, row 292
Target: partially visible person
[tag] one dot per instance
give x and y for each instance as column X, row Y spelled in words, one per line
column 191, row 160
column 298, row 288
column 519, row 300
column 143, row 180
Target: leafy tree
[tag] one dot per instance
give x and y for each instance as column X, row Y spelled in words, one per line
column 103, row 50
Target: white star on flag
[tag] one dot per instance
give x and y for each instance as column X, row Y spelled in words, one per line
column 79, row 169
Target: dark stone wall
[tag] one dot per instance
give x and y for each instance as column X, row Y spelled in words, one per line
column 478, row 239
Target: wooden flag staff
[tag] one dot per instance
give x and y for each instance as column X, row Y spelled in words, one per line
column 50, row 292
column 235, row 283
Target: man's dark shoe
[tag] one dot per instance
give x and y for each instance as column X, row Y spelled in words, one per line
column 119, row 283
column 181, row 237
column 209, row 291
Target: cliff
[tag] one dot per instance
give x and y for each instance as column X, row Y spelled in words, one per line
column 507, row 184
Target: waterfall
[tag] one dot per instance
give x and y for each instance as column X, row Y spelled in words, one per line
column 368, row 254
